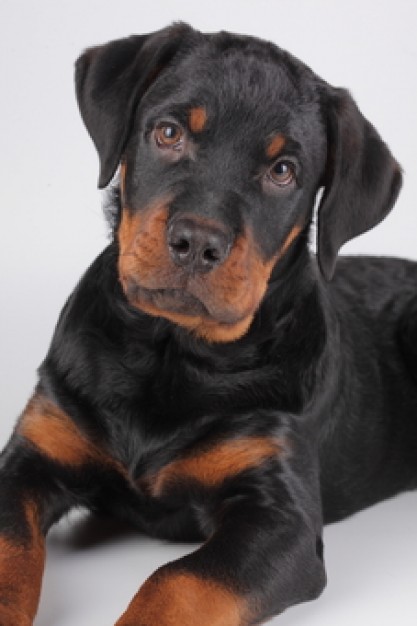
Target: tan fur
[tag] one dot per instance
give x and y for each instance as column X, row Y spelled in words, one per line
column 293, row 234
column 182, row 599
column 55, row 434
column 21, row 570
column 212, row 467
column 275, row 146
column 197, row 118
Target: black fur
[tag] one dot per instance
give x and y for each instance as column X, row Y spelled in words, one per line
column 328, row 368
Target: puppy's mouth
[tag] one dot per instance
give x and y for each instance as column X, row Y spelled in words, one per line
column 177, row 301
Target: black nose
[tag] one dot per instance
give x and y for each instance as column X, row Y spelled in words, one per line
column 197, row 245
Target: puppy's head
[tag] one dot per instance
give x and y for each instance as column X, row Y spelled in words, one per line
column 223, row 142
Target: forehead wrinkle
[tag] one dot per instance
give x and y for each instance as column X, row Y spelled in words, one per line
column 307, row 129
column 236, row 74
column 244, row 85
column 249, row 97
column 238, row 68
column 256, row 80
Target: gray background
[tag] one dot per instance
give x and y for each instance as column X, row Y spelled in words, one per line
column 52, row 228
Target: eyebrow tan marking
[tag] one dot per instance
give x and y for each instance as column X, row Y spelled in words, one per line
column 275, row 146
column 197, row 118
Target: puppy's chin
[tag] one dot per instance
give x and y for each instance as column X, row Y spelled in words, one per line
column 169, row 300
column 184, row 309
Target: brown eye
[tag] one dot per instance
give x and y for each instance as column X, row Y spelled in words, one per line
column 282, row 173
column 168, row 135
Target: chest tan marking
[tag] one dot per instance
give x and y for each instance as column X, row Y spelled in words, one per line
column 213, row 466
column 56, row 435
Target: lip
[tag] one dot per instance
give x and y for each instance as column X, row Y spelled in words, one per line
column 179, row 301
column 173, row 300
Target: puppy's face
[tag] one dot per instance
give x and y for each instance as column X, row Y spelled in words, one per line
column 217, row 180
column 223, row 142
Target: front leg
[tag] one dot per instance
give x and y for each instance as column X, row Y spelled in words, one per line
column 265, row 554
column 22, row 554
column 45, row 470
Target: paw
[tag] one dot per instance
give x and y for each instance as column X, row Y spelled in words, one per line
column 182, row 599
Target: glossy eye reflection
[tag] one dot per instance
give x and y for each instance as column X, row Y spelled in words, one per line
column 168, row 135
column 282, row 173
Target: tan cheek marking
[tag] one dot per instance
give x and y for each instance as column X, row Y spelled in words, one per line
column 231, row 282
column 197, row 118
column 212, row 467
column 184, row 600
column 21, row 570
column 52, row 432
column 275, row 146
column 142, row 242
column 151, row 249
column 293, row 234
column 262, row 270
column 129, row 225
column 122, row 179
column 242, row 281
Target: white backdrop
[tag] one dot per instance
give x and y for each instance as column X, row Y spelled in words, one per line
column 52, row 228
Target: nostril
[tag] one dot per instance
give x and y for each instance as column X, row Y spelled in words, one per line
column 196, row 245
column 211, row 256
column 182, row 246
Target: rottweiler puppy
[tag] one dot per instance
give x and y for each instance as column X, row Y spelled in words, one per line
column 210, row 378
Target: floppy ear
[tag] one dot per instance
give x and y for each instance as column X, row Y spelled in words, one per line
column 110, row 81
column 362, row 180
